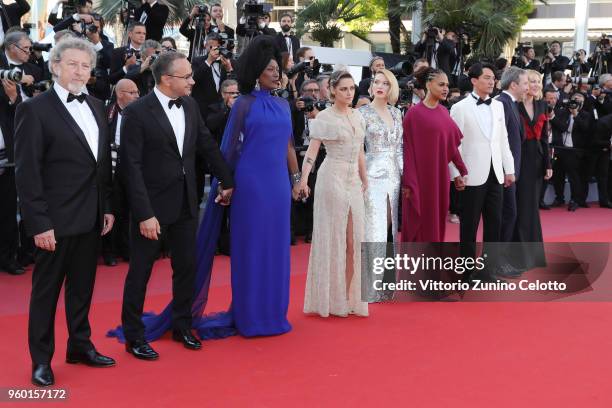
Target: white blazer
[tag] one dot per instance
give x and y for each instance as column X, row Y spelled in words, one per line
column 479, row 148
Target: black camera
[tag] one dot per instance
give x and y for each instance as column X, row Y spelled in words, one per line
column 583, row 80
column 311, row 104
column 40, row 86
column 225, row 53
column 91, row 28
column 432, row 32
column 571, row 104
column 131, row 52
column 251, row 11
column 41, row 47
column 202, row 8
column 13, row 75
column 280, row 92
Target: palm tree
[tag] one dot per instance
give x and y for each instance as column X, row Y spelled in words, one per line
column 323, row 19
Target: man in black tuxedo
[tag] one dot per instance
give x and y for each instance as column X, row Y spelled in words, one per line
column 438, row 50
column 285, row 41
column 17, row 51
column 514, row 84
column 376, row 64
column 226, row 33
column 166, row 132
column 218, row 113
column 10, row 15
column 153, row 14
column 554, row 61
column 63, row 170
column 117, row 242
column 120, row 61
column 557, row 84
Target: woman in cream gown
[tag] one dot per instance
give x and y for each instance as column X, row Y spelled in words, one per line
column 333, row 284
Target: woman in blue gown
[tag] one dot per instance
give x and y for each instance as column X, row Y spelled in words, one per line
column 257, row 144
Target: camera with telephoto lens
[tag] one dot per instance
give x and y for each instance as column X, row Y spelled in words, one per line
column 280, row 92
column 91, row 28
column 202, row 8
column 311, row 70
column 251, row 11
column 583, row 80
column 13, row 75
column 311, row 104
column 571, row 104
column 432, row 32
column 131, row 52
column 40, row 86
column 225, row 53
column 41, row 47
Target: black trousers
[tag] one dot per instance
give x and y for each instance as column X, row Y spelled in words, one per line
column 180, row 237
column 9, row 233
column 485, row 200
column 117, row 241
column 454, row 206
column 509, row 214
column 74, row 260
column 596, row 164
column 568, row 163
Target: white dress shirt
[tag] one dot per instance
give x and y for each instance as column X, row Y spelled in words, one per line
column 567, row 135
column 485, row 113
column 1, row 27
column 144, row 16
column 216, row 73
column 24, row 97
column 118, row 130
column 289, row 45
column 2, row 144
column 176, row 116
column 83, row 116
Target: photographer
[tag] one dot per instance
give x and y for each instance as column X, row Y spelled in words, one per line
column 579, row 64
column 17, row 52
column 558, row 84
column 525, row 58
column 597, row 158
column 436, row 49
column 603, row 104
column 153, row 15
column 195, row 27
column 307, row 67
column 461, row 48
column 140, row 72
column 376, row 64
column 601, row 59
column 254, row 22
column 226, row 33
column 168, row 44
column 571, row 126
column 124, row 57
column 553, row 60
column 77, row 21
column 209, row 72
column 99, row 82
column 218, row 112
column 10, row 15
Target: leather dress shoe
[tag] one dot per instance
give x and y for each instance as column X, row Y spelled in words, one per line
column 308, row 238
column 557, row 203
column 187, row 338
column 544, row 206
column 90, row 358
column 42, row 375
column 110, row 260
column 508, row 271
column 605, row 205
column 583, row 204
column 13, row 268
column 573, row 206
column 141, row 349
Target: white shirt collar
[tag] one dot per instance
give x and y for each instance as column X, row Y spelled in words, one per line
column 475, row 95
column 163, row 99
column 62, row 92
column 511, row 96
column 154, row 3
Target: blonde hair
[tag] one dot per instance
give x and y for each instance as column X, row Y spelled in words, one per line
column 393, row 94
column 531, row 74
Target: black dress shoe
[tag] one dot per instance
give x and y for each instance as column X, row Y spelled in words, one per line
column 110, row 260
column 187, row 338
column 605, row 205
column 141, row 349
column 508, row 271
column 42, row 375
column 544, row 206
column 90, row 358
column 13, row 268
column 572, row 206
column 308, row 238
column 583, row 204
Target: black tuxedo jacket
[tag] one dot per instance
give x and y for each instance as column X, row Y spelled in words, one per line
column 216, row 120
column 60, row 184
column 205, row 91
column 583, row 126
column 281, row 44
column 7, row 115
column 442, row 54
column 116, row 64
column 153, row 171
column 11, row 14
column 156, row 19
column 516, row 131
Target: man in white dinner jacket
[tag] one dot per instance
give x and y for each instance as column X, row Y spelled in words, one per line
column 487, row 156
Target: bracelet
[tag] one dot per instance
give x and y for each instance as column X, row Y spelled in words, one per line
column 295, row 178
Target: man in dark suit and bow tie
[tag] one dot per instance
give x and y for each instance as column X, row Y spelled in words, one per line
column 285, row 41
column 63, row 174
column 514, row 84
column 121, row 62
column 17, row 50
column 166, row 132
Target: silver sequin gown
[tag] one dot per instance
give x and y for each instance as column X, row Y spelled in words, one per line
column 384, row 164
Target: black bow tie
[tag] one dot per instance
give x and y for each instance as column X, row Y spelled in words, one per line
column 79, row 98
column 178, row 102
column 11, row 66
column 481, row 101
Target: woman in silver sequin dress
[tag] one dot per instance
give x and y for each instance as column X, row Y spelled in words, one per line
column 384, row 163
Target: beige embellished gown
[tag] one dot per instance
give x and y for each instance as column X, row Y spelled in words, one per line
column 338, row 191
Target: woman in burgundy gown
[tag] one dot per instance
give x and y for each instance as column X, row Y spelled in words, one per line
column 431, row 142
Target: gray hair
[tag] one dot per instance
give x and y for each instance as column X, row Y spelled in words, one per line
column 71, row 44
column 604, row 78
column 63, row 34
column 14, row 37
column 322, row 78
column 163, row 64
column 150, row 44
column 510, row 75
column 227, row 83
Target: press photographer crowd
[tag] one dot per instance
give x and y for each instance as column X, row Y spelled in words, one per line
column 104, row 149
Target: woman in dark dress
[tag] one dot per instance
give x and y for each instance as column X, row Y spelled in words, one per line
column 535, row 167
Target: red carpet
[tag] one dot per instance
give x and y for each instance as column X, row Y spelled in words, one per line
column 406, row 354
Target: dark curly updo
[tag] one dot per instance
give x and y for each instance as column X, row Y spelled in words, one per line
column 254, row 60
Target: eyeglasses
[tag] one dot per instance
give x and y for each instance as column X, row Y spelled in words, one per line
column 185, row 77
column 132, row 93
column 232, row 93
column 27, row 50
column 312, row 90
